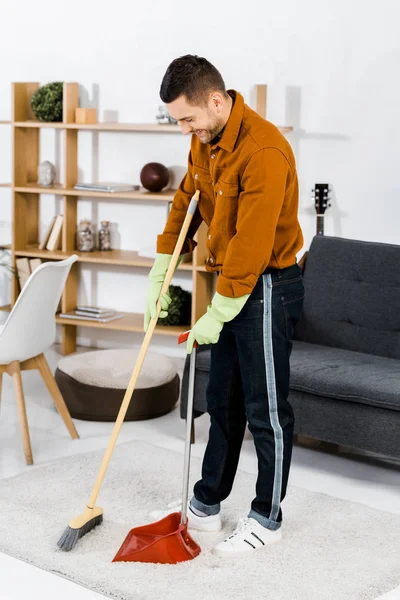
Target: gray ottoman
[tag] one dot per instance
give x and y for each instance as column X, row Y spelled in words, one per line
column 93, row 384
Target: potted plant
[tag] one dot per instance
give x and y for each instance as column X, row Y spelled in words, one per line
column 47, row 102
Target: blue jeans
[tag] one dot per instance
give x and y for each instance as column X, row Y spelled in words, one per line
column 249, row 382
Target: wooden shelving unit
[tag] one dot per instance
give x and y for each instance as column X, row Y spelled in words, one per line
column 26, row 201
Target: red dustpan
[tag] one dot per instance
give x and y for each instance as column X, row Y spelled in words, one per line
column 167, row 540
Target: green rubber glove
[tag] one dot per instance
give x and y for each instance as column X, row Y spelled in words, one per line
column 207, row 329
column 156, row 280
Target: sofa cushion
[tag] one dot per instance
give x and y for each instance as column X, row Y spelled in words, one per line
column 352, row 296
column 346, row 375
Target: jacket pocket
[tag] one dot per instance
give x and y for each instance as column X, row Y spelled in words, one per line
column 201, row 177
column 203, row 182
column 226, row 206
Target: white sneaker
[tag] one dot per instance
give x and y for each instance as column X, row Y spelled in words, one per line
column 248, row 536
column 210, row 523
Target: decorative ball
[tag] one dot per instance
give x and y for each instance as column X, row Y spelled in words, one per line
column 154, row 176
column 46, row 173
column 179, row 311
column 47, row 102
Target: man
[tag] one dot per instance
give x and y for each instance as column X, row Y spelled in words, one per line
column 245, row 171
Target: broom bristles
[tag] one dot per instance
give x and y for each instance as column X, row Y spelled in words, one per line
column 70, row 537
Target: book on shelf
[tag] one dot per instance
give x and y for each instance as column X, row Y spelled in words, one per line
column 46, row 236
column 35, row 263
column 106, row 186
column 23, row 270
column 84, row 313
column 54, row 242
column 100, row 319
column 97, row 310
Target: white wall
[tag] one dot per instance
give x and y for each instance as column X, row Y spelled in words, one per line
column 332, row 70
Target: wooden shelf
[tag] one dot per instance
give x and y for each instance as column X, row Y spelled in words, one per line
column 127, row 258
column 59, row 190
column 129, row 322
column 139, row 127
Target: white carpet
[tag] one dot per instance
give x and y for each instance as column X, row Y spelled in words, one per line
column 332, row 549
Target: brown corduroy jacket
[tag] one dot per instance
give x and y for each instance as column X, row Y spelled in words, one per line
column 248, row 198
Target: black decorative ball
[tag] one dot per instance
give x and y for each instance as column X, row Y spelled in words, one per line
column 47, row 102
column 154, row 176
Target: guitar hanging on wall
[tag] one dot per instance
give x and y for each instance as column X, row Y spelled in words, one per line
column 321, row 197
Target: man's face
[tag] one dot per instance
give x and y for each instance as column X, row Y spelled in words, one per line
column 204, row 121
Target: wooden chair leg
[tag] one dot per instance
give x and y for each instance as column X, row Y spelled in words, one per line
column 55, row 393
column 15, row 372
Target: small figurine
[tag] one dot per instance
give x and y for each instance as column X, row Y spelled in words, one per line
column 46, row 173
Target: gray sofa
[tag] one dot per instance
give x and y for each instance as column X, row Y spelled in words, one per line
column 345, row 363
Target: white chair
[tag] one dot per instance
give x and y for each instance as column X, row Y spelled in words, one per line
column 30, row 330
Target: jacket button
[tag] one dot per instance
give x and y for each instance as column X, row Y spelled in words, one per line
column 220, row 191
column 196, row 176
column 209, row 237
column 211, row 260
column 212, row 155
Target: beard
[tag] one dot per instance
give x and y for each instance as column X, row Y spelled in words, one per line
column 213, row 129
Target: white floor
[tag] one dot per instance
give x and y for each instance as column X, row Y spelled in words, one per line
column 360, row 478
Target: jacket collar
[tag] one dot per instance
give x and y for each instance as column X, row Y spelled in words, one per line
column 231, row 130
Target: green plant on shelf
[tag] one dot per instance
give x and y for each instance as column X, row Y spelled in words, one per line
column 180, row 308
column 47, row 102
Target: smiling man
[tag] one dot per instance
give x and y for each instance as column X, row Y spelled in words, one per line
column 205, row 121
column 245, row 171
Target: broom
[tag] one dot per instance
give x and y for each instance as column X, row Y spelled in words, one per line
column 93, row 515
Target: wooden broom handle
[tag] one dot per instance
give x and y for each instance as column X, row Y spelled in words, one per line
column 145, row 344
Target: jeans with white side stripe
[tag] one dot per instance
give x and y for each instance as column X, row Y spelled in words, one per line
column 249, row 383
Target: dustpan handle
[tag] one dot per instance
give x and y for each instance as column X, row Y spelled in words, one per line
column 189, row 416
column 143, row 350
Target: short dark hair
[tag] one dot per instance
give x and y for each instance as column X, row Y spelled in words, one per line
column 193, row 76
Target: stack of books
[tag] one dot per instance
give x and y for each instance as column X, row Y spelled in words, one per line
column 93, row 313
column 106, row 186
column 52, row 237
column 26, row 266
